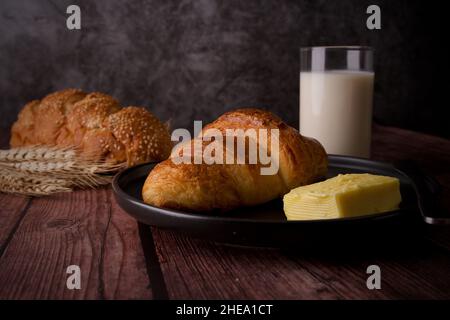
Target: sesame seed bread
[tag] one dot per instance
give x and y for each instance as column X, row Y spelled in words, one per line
column 96, row 124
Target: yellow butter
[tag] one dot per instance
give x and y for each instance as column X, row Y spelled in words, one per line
column 347, row 195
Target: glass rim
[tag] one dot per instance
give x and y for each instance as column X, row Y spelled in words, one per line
column 347, row 47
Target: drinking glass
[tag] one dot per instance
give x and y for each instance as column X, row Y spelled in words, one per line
column 336, row 93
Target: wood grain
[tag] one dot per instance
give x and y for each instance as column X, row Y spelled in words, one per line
column 124, row 267
column 403, row 270
column 12, row 207
column 84, row 228
column 200, row 269
column 39, row 238
column 430, row 153
column 12, row 210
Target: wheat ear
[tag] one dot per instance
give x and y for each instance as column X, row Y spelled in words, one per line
column 37, row 153
column 39, row 170
column 19, row 183
column 80, row 172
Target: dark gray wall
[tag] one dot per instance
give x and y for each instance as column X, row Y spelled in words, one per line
column 191, row 59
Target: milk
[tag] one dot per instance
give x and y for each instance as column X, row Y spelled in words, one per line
column 336, row 109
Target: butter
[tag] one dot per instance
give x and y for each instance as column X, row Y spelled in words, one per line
column 347, row 195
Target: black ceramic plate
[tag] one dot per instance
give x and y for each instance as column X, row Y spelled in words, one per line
column 266, row 224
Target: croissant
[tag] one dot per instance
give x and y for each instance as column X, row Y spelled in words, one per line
column 96, row 124
column 222, row 187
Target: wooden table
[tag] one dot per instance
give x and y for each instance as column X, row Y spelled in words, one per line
column 120, row 259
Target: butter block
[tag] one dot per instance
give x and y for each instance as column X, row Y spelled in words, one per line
column 347, row 195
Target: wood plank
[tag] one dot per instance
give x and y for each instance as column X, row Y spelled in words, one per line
column 12, row 210
column 124, row 266
column 403, row 271
column 88, row 227
column 195, row 269
column 111, row 251
column 430, row 153
column 58, row 231
column 85, row 228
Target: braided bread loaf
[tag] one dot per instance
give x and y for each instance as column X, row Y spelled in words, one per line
column 96, row 124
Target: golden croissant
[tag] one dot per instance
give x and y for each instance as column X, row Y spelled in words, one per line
column 207, row 187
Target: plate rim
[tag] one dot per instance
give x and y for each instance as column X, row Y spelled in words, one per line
column 121, row 195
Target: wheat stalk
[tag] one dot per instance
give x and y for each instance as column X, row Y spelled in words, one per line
column 79, row 172
column 40, row 170
column 19, row 183
column 38, row 153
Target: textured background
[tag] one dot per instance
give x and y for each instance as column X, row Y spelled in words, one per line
column 189, row 59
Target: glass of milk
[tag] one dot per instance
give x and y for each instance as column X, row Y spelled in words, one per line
column 336, row 93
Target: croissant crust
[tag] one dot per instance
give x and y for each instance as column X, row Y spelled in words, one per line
column 203, row 187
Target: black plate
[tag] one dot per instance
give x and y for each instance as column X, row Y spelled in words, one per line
column 267, row 225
